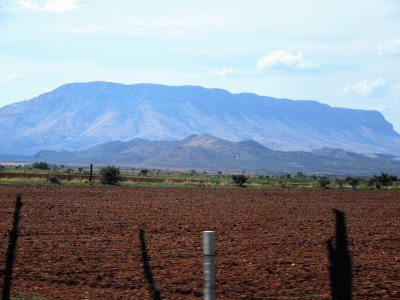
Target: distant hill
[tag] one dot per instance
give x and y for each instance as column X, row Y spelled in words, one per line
column 80, row 115
column 205, row 152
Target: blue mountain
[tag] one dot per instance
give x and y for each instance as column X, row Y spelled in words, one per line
column 80, row 115
column 206, row 152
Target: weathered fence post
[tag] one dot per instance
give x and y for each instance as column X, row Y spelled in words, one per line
column 10, row 255
column 91, row 172
column 148, row 274
column 340, row 266
column 209, row 264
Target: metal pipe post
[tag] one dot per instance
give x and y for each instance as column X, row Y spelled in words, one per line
column 209, row 264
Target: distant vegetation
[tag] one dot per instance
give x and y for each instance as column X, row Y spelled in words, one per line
column 323, row 182
column 41, row 166
column 109, row 175
column 382, row 180
column 239, row 180
column 44, row 173
column 352, row 181
column 54, row 180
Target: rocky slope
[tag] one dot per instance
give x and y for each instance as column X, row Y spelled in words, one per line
column 80, row 115
column 205, row 152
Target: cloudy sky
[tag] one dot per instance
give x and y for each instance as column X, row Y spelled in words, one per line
column 340, row 52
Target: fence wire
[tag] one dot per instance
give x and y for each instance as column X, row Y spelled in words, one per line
column 194, row 289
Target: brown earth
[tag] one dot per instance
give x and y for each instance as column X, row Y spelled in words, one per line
column 82, row 242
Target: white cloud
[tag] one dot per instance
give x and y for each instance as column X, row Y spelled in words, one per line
column 396, row 90
column 390, row 48
column 172, row 27
column 89, row 30
column 189, row 22
column 57, row 6
column 7, row 78
column 366, row 87
column 286, row 59
column 11, row 77
column 222, row 72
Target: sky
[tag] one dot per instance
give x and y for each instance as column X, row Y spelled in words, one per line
column 339, row 52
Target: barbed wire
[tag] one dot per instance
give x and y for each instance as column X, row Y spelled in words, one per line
column 221, row 267
column 194, row 288
column 138, row 284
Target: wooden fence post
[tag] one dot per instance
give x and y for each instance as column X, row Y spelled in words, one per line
column 339, row 258
column 10, row 255
column 209, row 264
column 91, row 172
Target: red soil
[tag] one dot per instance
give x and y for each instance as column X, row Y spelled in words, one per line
column 82, row 242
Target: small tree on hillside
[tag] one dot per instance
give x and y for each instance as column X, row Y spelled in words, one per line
column 109, row 175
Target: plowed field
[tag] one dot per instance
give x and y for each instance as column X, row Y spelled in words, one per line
column 82, row 242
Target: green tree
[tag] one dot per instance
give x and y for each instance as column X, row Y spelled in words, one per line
column 323, row 182
column 144, row 172
column 382, row 180
column 54, row 180
column 352, row 181
column 339, row 182
column 41, row 165
column 109, row 175
column 239, row 180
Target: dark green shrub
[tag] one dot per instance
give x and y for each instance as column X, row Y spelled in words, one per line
column 54, row 180
column 323, row 182
column 382, row 180
column 109, row 175
column 386, row 179
column 144, row 172
column 239, row 180
column 339, row 182
column 41, row 165
column 352, row 181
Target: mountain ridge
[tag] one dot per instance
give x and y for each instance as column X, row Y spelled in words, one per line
column 79, row 115
column 206, row 152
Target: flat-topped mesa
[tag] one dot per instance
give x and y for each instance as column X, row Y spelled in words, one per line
column 79, row 115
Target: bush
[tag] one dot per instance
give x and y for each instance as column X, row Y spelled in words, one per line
column 239, row 180
column 339, row 182
column 352, row 181
column 373, row 182
column 323, row 182
column 382, row 180
column 109, row 175
column 144, row 172
column 54, row 180
column 41, row 165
